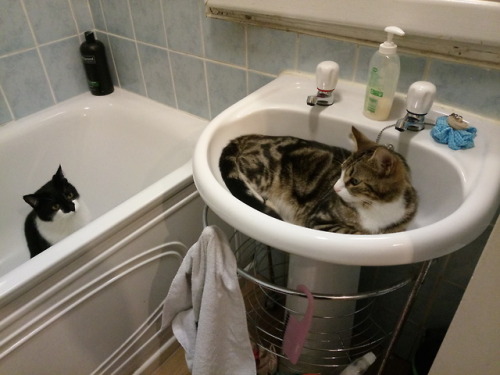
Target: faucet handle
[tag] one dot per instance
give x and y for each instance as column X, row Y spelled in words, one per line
column 327, row 75
column 420, row 97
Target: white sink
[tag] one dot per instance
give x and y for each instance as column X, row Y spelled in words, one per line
column 458, row 190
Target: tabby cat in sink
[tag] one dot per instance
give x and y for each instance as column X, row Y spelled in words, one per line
column 57, row 212
column 322, row 187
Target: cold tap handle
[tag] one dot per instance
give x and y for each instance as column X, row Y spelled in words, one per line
column 327, row 75
column 420, row 97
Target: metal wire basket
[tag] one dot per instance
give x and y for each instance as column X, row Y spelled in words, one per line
column 327, row 350
column 351, row 327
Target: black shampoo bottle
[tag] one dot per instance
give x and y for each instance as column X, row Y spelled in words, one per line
column 96, row 66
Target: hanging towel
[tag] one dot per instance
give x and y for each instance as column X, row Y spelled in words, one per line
column 206, row 309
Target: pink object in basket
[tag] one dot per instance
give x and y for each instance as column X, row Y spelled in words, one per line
column 296, row 331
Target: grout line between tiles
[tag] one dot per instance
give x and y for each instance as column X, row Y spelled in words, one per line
column 2, row 93
column 167, row 49
column 40, row 57
column 141, row 70
column 73, row 16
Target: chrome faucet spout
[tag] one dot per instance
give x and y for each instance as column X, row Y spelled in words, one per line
column 411, row 122
column 311, row 100
column 324, row 98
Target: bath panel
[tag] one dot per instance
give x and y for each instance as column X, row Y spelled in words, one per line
column 107, row 318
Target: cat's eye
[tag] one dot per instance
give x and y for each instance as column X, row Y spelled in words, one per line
column 55, row 207
column 354, row 181
column 69, row 195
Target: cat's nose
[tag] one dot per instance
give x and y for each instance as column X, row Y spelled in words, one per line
column 338, row 187
column 69, row 207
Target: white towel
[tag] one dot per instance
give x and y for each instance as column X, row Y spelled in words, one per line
column 206, row 309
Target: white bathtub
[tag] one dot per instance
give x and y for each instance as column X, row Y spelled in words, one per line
column 76, row 307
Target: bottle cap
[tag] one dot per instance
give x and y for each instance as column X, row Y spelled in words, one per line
column 389, row 47
column 89, row 37
column 370, row 358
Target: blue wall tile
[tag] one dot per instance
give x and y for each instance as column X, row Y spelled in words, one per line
column 473, row 88
column 226, row 85
column 61, row 61
column 148, row 21
column 97, row 14
column 156, row 69
column 224, row 41
column 313, row 50
column 256, row 81
column 364, row 55
column 190, row 84
column 83, row 16
column 14, row 29
column 127, row 64
column 42, row 15
column 4, row 111
column 412, row 70
column 271, row 51
column 182, row 21
column 117, row 17
column 24, row 83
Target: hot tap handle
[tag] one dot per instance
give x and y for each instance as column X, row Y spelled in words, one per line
column 420, row 97
column 327, row 75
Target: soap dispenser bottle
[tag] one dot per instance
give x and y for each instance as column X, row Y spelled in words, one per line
column 383, row 78
column 96, row 66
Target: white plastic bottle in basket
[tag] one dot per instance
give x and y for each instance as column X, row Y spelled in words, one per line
column 360, row 365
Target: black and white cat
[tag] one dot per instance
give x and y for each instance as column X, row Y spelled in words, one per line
column 57, row 212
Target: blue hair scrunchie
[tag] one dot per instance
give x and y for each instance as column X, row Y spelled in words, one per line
column 456, row 139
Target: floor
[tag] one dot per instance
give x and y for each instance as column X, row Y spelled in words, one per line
column 176, row 365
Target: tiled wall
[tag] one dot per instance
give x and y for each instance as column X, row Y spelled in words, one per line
column 167, row 50
column 39, row 60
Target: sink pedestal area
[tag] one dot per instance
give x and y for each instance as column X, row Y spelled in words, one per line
column 348, row 317
column 333, row 319
column 458, row 190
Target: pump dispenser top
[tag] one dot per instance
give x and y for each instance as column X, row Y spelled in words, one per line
column 389, row 47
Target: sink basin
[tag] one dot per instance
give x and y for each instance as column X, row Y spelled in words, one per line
column 458, row 190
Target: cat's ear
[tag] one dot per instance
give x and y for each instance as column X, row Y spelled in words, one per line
column 362, row 142
column 59, row 176
column 31, row 199
column 384, row 161
column 59, row 172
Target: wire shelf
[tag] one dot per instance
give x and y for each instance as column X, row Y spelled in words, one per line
column 263, row 273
